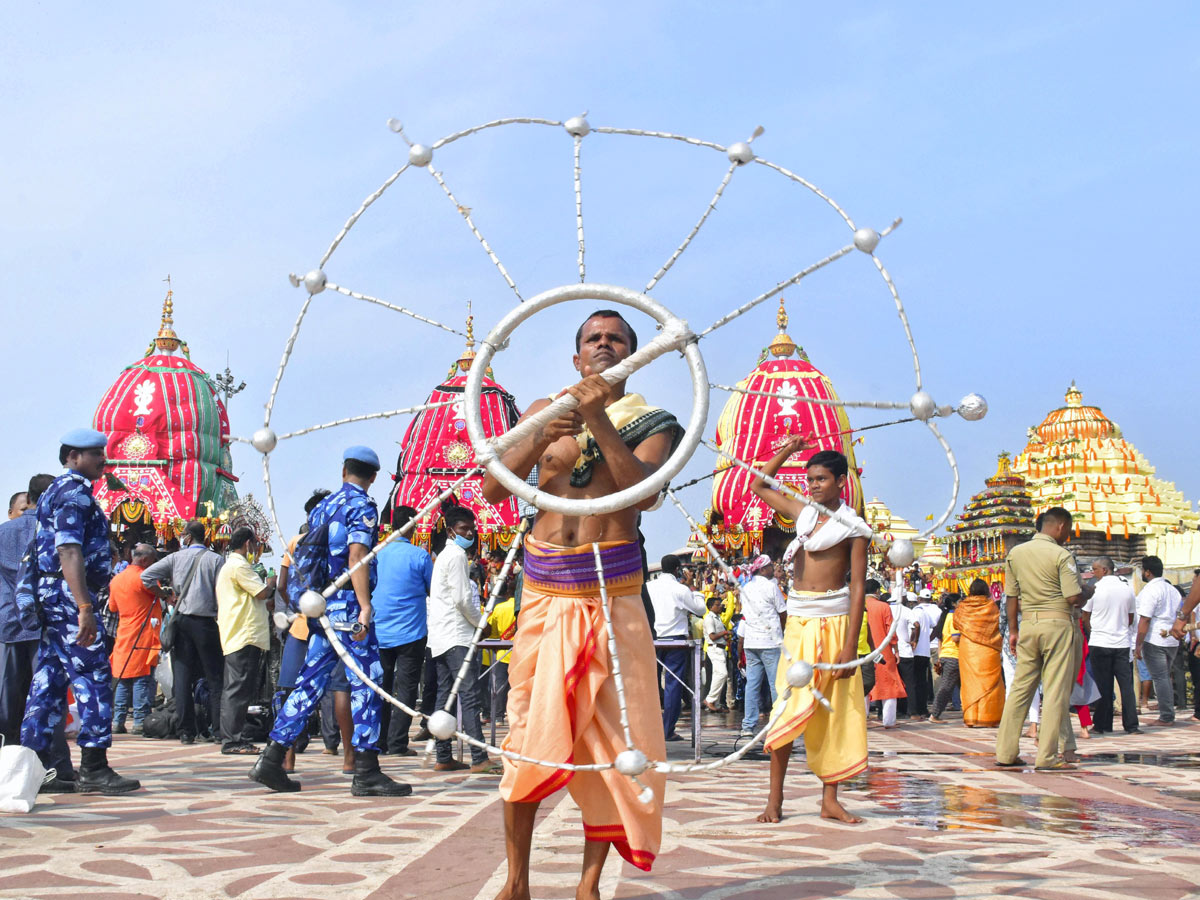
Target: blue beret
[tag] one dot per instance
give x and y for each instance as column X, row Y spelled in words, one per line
column 84, row 439
column 362, row 454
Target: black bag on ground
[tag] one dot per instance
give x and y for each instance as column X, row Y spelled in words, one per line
column 160, row 723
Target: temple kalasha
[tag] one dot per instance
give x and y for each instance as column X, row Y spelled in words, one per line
column 168, row 444
column 1079, row 459
column 993, row 522
column 436, row 452
column 787, row 400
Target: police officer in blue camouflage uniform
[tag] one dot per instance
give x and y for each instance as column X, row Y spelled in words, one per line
column 352, row 522
column 74, row 563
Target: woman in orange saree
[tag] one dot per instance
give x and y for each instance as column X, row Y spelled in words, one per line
column 982, row 684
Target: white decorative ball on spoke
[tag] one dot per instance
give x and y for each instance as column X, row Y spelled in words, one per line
column 973, row 407
column 264, row 440
column 442, row 725
column 395, row 125
column 312, row 604
column 922, row 406
column 631, row 762
column 294, row 279
column 902, row 553
column 577, row 126
column 420, row 155
column 740, row 153
column 314, row 281
column 866, row 239
column 799, row 674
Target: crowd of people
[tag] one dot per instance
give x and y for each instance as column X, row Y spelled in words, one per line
column 949, row 652
column 200, row 644
column 228, row 658
column 255, row 658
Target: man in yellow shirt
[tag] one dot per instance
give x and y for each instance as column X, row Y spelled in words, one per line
column 503, row 627
column 948, row 668
column 242, row 620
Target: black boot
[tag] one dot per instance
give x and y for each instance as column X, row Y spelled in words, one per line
column 95, row 776
column 54, row 784
column 268, row 770
column 370, row 782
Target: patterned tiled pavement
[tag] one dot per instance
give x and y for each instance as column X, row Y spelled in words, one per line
column 941, row 822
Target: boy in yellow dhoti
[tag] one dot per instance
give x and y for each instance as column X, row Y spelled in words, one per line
column 562, row 702
column 824, row 617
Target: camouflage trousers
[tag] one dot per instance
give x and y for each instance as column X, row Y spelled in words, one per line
column 365, row 704
column 61, row 662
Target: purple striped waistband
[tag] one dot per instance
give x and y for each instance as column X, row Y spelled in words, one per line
column 572, row 570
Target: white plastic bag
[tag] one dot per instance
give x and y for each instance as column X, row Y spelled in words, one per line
column 21, row 776
column 163, row 675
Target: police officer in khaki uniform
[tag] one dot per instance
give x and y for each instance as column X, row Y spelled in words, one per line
column 1042, row 581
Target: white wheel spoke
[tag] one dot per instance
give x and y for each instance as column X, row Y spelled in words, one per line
column 579, row 210
column 465, row 212
column 371, row 198
column 400, row 309
column 712, row 204
column 782, row 286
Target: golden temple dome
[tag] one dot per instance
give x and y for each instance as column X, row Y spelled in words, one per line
column 1077, row 458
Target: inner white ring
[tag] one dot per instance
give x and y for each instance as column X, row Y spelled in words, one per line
column 611, row 503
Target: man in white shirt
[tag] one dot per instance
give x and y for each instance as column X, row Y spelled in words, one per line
column 1157, row 605
column 907, row 634
column 764, row 611
column 453, row 618
column 931, row 616
column 717, row 638
column 673, row 601
column 1107, row 616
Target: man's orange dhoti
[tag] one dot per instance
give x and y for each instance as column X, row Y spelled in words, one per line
column 835, row 743
column 562, row 700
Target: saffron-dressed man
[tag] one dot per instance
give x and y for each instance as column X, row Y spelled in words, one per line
column 562, row 702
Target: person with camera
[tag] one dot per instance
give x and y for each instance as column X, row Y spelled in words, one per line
column 187, row 580
column 244, row 623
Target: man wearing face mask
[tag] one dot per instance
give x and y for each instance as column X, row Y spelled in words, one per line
column 343, row 527
column 453, row 617
column 242, row 617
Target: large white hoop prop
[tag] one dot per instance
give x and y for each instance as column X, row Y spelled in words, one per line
column 675, row 335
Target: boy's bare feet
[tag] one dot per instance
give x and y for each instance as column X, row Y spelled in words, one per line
column 832, row 809
column 773, row 813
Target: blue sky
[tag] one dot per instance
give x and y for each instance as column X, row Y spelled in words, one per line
column 1043, row 159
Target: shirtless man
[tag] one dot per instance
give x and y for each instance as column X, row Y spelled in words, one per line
column 824, row 618
column 562, row 704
